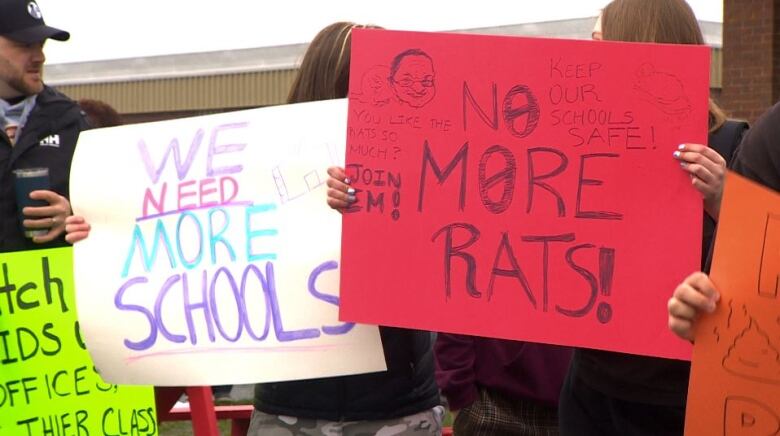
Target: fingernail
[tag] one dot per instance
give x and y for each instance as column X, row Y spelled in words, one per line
column 681, row 147
column 683, row 164
column 351, row 191
column 676, row 154
column 347, row 181
column 351, row 198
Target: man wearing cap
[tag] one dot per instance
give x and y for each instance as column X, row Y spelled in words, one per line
column 38, row 128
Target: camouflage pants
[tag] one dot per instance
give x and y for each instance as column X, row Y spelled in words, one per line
column 425, row 423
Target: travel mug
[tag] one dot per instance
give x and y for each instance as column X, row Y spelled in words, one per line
column 27, row 180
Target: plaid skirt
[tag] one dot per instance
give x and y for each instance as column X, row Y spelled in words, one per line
column 494, row 414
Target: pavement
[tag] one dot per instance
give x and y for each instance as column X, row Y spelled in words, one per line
column 242, row 393
column 239, row 394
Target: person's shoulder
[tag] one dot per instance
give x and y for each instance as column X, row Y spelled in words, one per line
column 758, row 156
column 764, row 131
column 66, row 111
column 769, row 120
column 51, row 96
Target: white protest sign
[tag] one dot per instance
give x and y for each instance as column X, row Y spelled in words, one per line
column 213, row 257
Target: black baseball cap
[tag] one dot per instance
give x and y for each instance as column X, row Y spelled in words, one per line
column 22, row 21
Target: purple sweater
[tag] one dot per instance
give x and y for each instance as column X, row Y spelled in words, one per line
column 515, row 369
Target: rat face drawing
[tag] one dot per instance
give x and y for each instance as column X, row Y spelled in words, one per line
column 412, row 78
column 663, row 90
column 375, row 86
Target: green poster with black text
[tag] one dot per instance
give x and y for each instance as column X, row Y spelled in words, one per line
column 48, row 383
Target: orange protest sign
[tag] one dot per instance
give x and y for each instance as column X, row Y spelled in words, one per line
column 735, row 378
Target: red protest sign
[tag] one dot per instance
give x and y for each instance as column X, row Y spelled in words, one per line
column 522, row 188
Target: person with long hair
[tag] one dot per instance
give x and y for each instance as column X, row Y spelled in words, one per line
column 99, row 113
column 403, row 400
column 608, row 393
column 493, row 386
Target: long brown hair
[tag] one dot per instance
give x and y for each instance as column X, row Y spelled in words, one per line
column 99, row 113
column 324, row 71
column 660, row 21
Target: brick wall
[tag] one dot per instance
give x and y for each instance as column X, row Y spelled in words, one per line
column 751, row 57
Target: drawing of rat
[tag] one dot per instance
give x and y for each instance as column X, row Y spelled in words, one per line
column 663, row 90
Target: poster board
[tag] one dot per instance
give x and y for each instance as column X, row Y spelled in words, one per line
column 213, row 256
column 48, row 383
column 522, row 188
column 735, row 371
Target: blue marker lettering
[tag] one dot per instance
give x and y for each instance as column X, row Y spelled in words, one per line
column 281, row 334
column 213, row 302
column 149, row 341
column 251, row 234
column 267, row 315
column 202, row 305
column 149, row 259
column 158, row 310
column 184, row 261
column 214, row 238
column 332, row 299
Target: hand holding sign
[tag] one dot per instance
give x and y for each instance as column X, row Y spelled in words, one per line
column 694, row 296
column 707, row 169
column 340, row 194
column 77, row 229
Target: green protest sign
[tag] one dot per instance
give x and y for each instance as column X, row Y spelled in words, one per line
column 48, row 383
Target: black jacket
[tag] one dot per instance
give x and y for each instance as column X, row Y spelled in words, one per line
column 48, row 140
column 643, row 379
column 406, row 388
column 758, row 158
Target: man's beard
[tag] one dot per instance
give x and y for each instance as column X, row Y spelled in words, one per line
column 26, row 88
column 17, row 84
